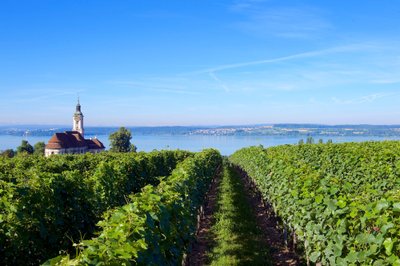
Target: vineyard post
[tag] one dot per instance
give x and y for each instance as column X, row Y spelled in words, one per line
column 294, row 237
column 285, row 234
column 306, row 249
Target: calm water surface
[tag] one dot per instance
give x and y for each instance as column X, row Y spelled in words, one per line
column 225, row 144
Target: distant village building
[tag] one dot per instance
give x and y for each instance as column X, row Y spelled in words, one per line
column 73, row 141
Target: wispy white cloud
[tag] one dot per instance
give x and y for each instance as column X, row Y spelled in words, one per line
column 309, row 54
column 363, row 99
column 41, row 95
column 338, row 67
column 219, row 81
column 167, row 85
column 244, row 5
column 385, row 81
column 264, row 18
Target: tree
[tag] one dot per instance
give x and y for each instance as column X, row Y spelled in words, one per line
column 25, row 147
column 310, row 140
column 301, row 142
column 120, row 141
column 9, row 153
column 133, row 148
column 320, row 141
column 39, row 148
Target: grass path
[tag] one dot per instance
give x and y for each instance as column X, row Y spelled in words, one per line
column 237, row 239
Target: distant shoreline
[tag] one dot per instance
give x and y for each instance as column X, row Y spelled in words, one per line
column 225, row 144
column 300, row 130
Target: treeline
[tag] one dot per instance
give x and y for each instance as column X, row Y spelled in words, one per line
column 311, row 140
column 339, row 202
column 48, row 203
column 25, row 148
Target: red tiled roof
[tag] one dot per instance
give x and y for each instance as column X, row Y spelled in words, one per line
column 72, row 139
column 94, row 144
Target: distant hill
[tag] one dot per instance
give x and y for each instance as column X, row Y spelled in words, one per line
column 239, row 130
column 40, row 130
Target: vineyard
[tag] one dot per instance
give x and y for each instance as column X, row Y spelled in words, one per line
column 49, row 203
column 317, row 204
column 341, row 202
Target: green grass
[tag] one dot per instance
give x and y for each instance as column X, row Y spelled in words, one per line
column 236, row 235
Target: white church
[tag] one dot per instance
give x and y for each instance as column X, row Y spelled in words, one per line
column 73, row 141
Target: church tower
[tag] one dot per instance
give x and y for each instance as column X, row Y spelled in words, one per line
column 78, row 120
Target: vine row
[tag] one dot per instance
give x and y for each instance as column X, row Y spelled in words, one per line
column 342, row 201
column 157, row 226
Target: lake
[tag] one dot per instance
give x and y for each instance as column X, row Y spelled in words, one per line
column 225, row 144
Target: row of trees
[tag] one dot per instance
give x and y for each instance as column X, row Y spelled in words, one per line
column 25, row 148
column 120, row 141
column 310, row 140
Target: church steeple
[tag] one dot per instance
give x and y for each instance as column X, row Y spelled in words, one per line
column 78, row 107
column 78, row 119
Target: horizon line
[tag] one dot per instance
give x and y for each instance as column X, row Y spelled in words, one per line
column 210, row 125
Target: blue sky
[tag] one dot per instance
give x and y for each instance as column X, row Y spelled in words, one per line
column 200, row 62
